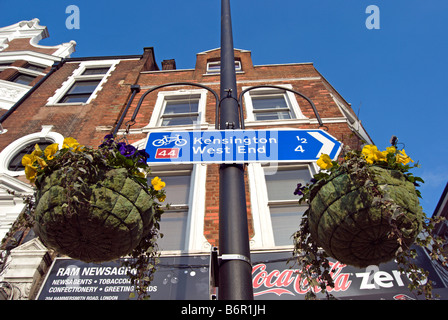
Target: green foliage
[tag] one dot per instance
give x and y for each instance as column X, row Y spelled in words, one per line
column 313, row 262
column 81, row 167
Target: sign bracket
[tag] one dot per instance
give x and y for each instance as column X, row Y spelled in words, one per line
column 215, row 262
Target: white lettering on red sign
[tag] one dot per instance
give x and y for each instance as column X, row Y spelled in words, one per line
column 290, row 282
column 278, row 282
column 167, row 153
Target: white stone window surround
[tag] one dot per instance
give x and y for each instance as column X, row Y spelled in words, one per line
column 25, row 71
column 77, row 76
column 36, row 58
column 214, row 67
column 12, row 149
column 296, row 113
column 11, row 92
column 164, row 96
column 195, row 241
column 263, row 229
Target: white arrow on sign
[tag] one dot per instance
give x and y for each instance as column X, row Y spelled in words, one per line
column 327, row 146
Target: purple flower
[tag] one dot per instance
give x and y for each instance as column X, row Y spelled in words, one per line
column 109, row 137
column 107, row 141
column 299, row 189
column 126, row 149
column 142, row 155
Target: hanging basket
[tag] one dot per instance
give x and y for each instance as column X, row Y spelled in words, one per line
column 101, row 221
column 357, row 226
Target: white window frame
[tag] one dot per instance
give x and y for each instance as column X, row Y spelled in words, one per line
column 164, row 96
column 291, row 101
column 12, row 149
column 214, row 67
column 263, row 229
column 195, row 240
column 78, row 76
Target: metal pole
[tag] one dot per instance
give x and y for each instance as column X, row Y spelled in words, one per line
column 235, row 270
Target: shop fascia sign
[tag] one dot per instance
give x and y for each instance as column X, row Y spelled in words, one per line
column 240, row 146
column 188, row 278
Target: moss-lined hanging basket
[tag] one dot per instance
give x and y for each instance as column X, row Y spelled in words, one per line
column 100, row 222
column 95, row 205
column 363, row 210
column 354, row 225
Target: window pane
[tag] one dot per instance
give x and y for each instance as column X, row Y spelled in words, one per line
column 282, row 184
column 285, row 221
column 96, row 71
column 174, row 107
column 35, row 67
column 271, row 102
column 173, row 225
column 177, row 189
column 75, row 98
column 215, row 67
column 272, row 115
column 186, row 112
column 81, row 87
column 179, row 121
column 23, row 79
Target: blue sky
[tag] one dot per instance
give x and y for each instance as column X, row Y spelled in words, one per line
column 394, row 76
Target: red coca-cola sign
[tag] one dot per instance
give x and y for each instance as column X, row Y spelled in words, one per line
column 290, row 282
column 274, row 278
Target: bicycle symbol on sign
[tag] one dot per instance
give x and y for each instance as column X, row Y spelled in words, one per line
column 178, row 141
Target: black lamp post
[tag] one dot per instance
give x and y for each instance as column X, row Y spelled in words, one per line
column 235, row 270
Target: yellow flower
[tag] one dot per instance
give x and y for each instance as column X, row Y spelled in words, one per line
column 388, row 150
column 391, row 150
column 157, row 183
column 30, row 171
column 372, row 154
column 324, row 161
column 72, row 143
column 403, row 158
column 28, row 159
column 162, row 198
column 41, row 162
column 37, row 151
column 51, row 150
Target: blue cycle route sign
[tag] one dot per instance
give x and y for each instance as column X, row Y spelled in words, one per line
column 240, row 146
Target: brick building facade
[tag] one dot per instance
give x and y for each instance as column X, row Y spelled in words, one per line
column 86, row 97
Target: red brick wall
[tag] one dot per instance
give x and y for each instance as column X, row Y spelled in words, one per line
column 317, row 89
column 79, row 121
column 83, row 122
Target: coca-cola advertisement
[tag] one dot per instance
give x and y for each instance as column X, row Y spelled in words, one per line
column 275, row 279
